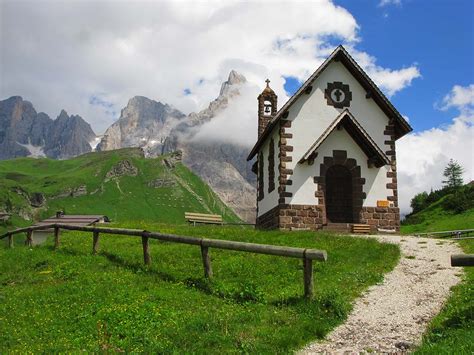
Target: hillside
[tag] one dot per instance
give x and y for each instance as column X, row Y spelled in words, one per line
column 440, row 216
column 121, row 184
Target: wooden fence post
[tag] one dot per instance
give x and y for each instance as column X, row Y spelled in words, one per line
column 56, row 237
column 146, row 253
column 206, row 261
column 10, row 240
column 95, row 242
column 308, row 277
column 29, row 238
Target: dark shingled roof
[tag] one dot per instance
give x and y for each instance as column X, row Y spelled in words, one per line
column 340, row 54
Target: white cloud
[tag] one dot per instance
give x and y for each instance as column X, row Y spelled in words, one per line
column 389, row 80
column 91, row 57
column 383, row 3
column 422, row 156
column 460, row 97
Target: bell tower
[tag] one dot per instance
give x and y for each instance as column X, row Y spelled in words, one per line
column 267, row 107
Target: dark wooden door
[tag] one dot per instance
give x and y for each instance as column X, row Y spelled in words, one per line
column 339, row 206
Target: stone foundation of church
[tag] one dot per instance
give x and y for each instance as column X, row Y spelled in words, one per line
column 312, row 217
column 290, row 217
column 269, row 220
column 381, row 217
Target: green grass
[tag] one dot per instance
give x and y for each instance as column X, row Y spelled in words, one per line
column 68, row 300
column 435, row 218
column 452, row 330
column 123, row 199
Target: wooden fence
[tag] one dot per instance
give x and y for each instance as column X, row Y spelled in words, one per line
column 307, row 255
column 462, row 260
column 455, row 234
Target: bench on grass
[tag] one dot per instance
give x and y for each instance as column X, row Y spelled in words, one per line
column 361, row 228
column 194, row 218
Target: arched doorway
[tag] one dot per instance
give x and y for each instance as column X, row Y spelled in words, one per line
column 339, row 200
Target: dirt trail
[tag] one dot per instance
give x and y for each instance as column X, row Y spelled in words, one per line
column 392, row 316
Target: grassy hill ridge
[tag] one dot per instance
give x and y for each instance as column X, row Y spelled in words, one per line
column 452, row 210
column 121, row 184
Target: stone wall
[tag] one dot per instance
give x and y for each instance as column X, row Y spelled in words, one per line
column 381, row 217
column 301, row 216
column 292, row 217
column 268, row 220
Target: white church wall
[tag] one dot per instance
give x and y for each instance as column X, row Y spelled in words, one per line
column 270, row 200
column 311, row 115
column 304, row 188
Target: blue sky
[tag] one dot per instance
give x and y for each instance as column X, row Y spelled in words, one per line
column 436, row 35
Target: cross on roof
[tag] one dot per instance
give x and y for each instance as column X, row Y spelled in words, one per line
column 268, row 83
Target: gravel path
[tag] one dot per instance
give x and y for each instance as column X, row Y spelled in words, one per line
column 392, row 316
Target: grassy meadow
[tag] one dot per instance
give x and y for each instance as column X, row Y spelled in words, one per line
column 121, row 199
column 69, row 300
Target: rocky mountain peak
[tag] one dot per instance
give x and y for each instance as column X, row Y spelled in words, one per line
column 63, row 115
column 233, row 80
column 236, row 78
column 24, row 132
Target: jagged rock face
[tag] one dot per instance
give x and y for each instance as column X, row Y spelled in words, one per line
column 223, row 177
column 124, row 167
column 69, row 136
column 222, row 165
column 160, row 129
column 24, row 132
column 143, row 123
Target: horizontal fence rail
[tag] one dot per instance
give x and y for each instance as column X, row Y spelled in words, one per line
column 307, row 255
column 462, row 260
column 452, row 233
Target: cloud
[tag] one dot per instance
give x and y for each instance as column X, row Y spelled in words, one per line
column 389, row 80
column 60, row 54
column 461, row 98
column 384, row 3
column 422, row 156
column 237, row 124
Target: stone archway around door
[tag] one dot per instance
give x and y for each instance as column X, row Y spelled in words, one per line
column 345, row 164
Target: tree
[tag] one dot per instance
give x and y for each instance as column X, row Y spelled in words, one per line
column 453, row 174
column 418, row 202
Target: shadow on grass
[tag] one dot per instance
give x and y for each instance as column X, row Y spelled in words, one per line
column 137, row 267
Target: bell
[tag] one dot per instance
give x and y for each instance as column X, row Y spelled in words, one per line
column 267, row 108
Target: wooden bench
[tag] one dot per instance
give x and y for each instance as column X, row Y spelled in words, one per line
column 361, row 228
column 194, row 218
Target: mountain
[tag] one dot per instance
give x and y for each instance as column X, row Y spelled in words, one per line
column 159, row 129
column 24, row 132
column 143, row 123
column 122, row 184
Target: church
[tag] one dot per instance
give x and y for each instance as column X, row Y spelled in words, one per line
column 327, row 157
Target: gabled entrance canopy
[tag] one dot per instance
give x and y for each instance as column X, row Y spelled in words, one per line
column 347, row 121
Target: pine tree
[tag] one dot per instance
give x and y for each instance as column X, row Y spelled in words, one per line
column 453, row 174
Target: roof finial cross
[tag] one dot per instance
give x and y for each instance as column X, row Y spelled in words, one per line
column 268, row 83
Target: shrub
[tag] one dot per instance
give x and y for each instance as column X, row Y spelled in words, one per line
column 461, row 200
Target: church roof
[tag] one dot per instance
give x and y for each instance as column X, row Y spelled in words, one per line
column 358, row 134
column 340, row 54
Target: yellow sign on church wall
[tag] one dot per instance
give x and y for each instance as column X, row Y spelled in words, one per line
column 382, row 203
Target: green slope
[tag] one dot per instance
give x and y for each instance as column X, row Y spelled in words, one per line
column 122, row 198
column 436, row 218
